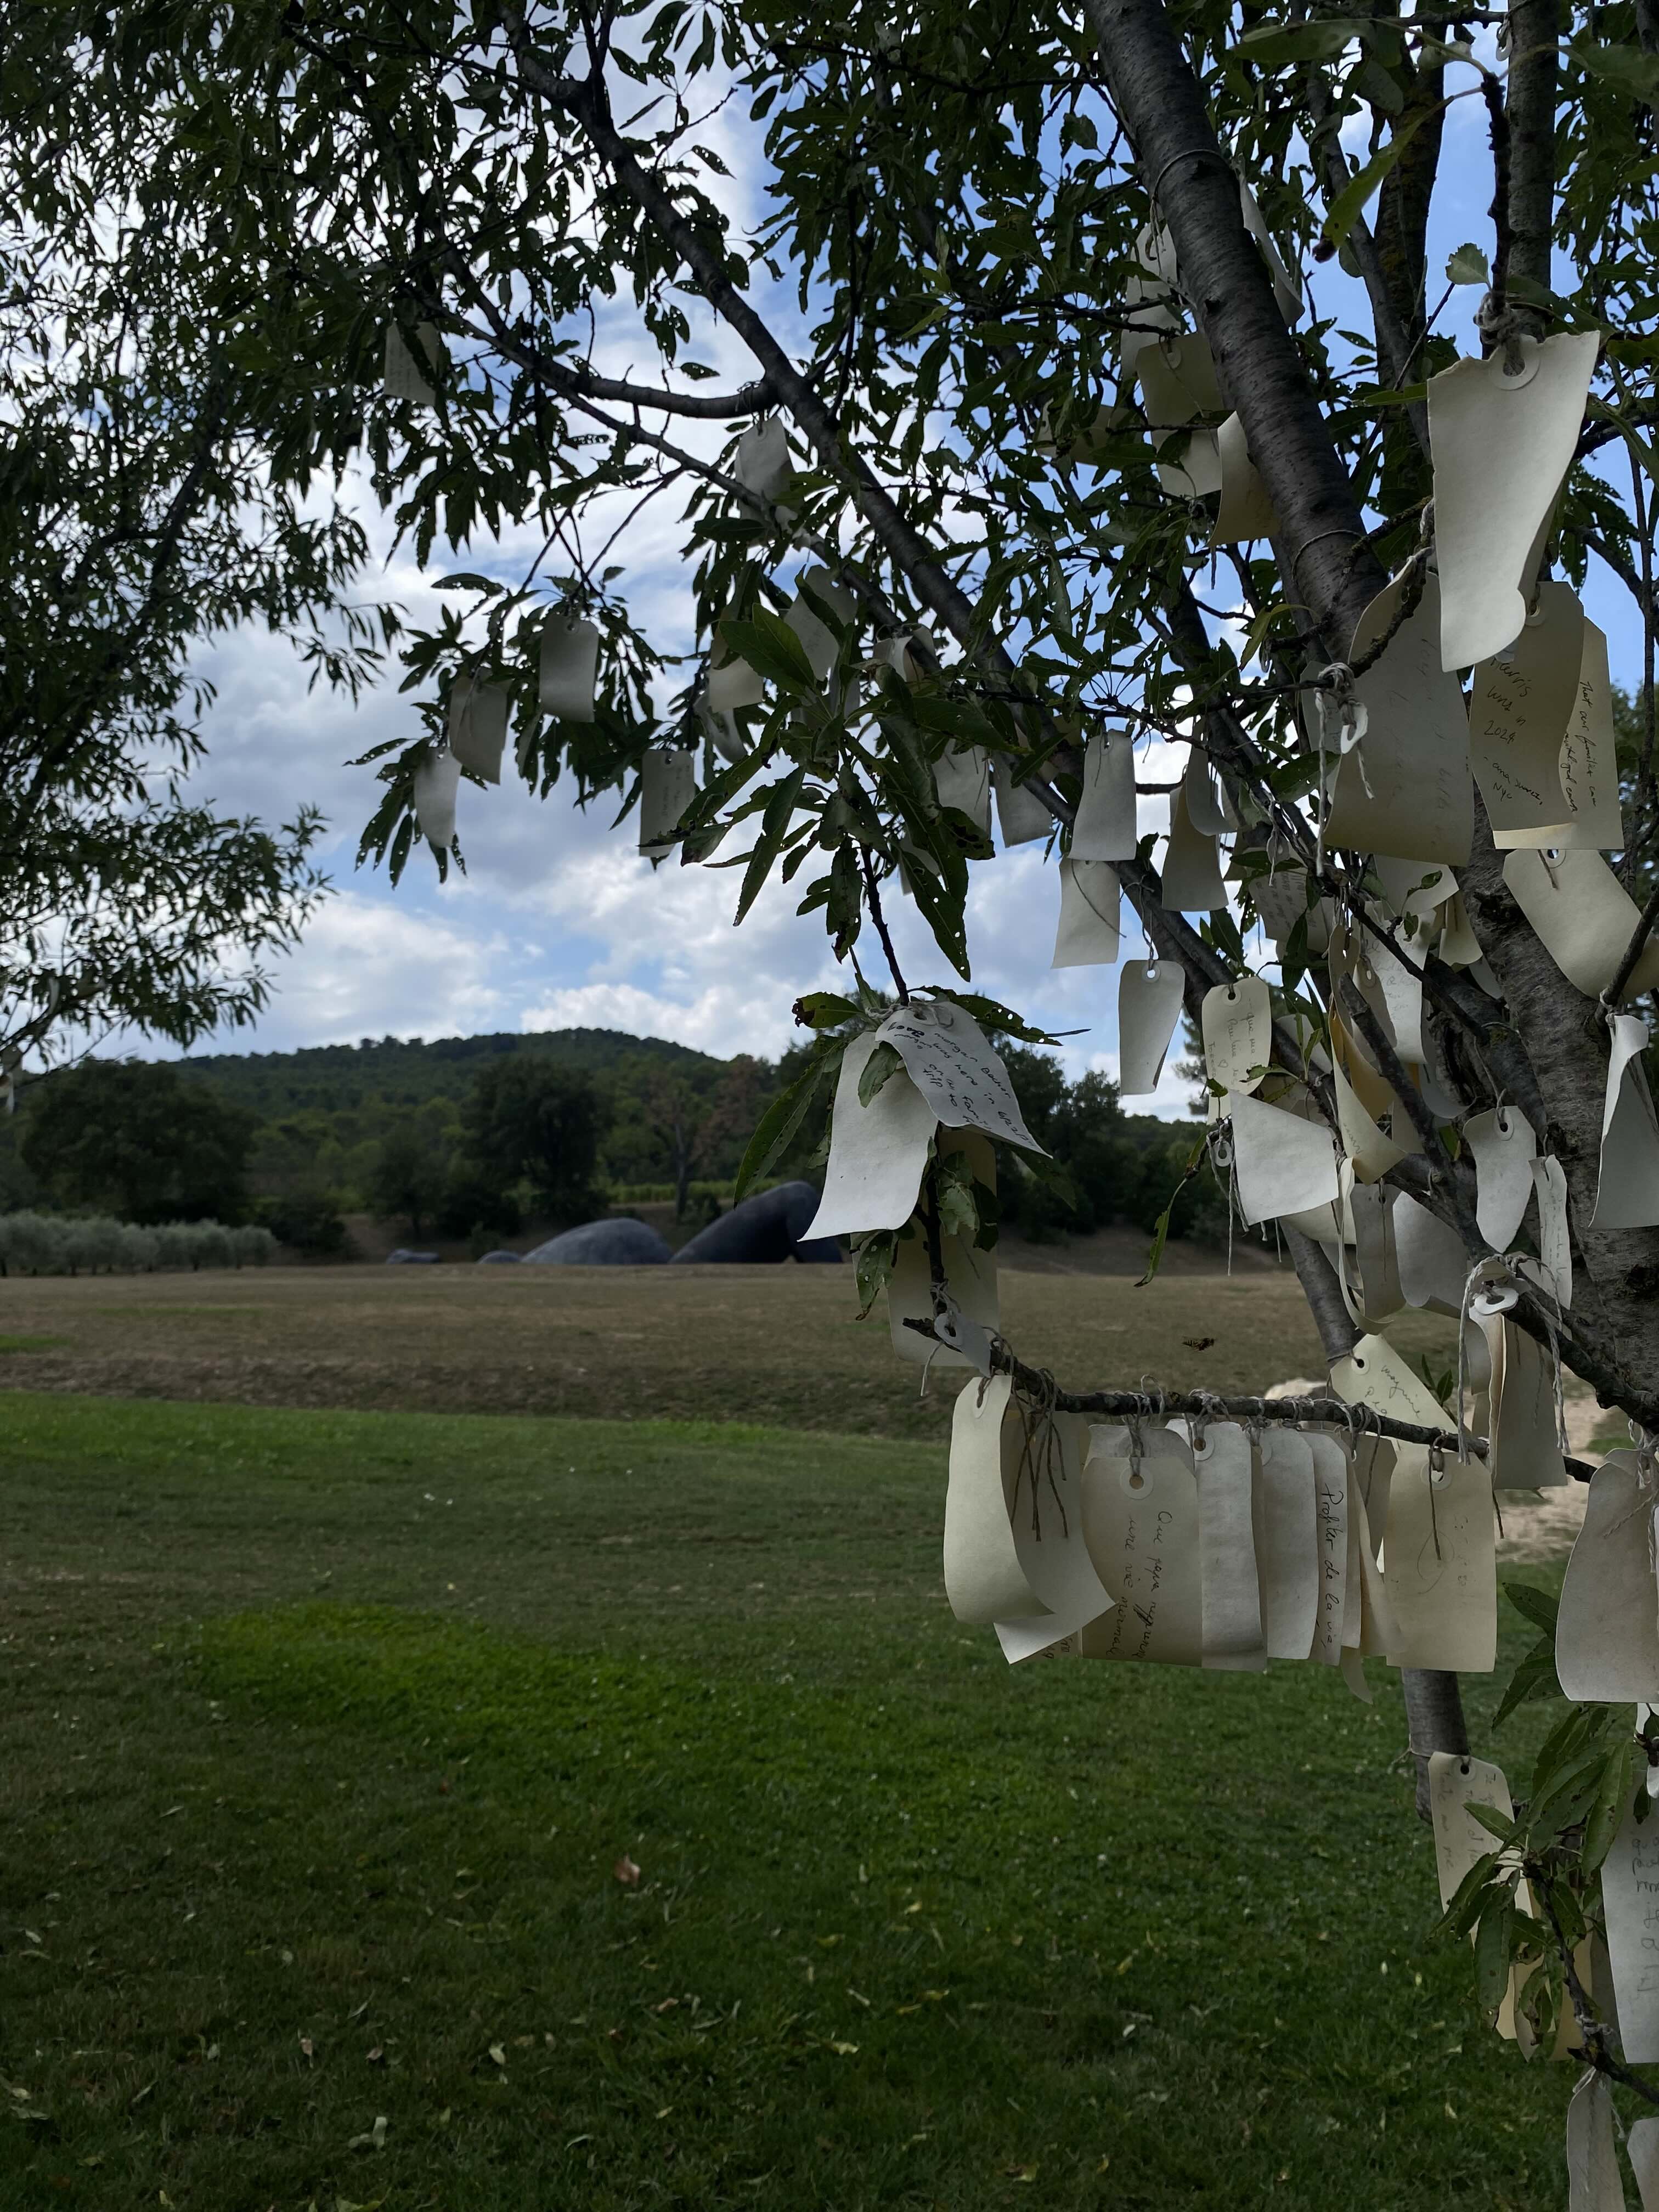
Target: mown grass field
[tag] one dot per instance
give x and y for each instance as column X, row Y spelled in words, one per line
column 325, row 1731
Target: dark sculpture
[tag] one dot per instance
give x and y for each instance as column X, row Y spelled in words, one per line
column 619, row 1243
column 761, row 1230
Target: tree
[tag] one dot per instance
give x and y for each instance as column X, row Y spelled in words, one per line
column 528, row 1121
column 409, row 1175
column 139, row 1142
column 693, row 1127
column 1073, row 447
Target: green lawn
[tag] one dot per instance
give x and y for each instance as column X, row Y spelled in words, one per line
column 324, row 1733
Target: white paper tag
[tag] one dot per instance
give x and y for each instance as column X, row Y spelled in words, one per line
column 569, row 668
column 984, row 1579
column 1287, row 1552
column 1372, row 1154
column 1022, row 815
column 817, row 640
column 1378, row 1261
column 1087, row 936
column 1589, row 754
column 878, row 1153
column 668, row 783
column 1520, row 706
column 1627, row 1188
column 962, row 779
column 1237, row 1023
column 954, row 1065
column 1283, row 1164
column 1047, row 1515
column 1245, row 512
column 1441, row 1569
column 760, row 463
column 1642, row 2148
column 1501, row 444
column 1630, row 1896
column 1526, row 1453
column 477, row 726
column 1331, row 1472
column 437, row 781
column 1231, row 1590
column 1149, row 999
column 1192, row 881
column 732, row 682
column 1433, row 1265
column 1593, row 2182
column 407, row 377
column 1607, row 1636
column 1105, row 828
column 1503, row 1146
column 1549, row 1183
column 1375, row 1375
column 1414, row 754
column 1583, row 915
column 1140, row 1518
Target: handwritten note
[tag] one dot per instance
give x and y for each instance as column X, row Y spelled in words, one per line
column 1046, row 1510
column 1140, row 1519
column 408, row 369
column 1288, row 1548
column 1330, row 1464
column 1630, row 1893
column 1589, row 762
column 954, row 1065
column 1520, row 707
column 668, row 784
column 1237, row 1023
column 878, row 1153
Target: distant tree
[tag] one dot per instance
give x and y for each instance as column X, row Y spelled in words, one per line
column 408, row 1176
column 695, row 1126
column 137, row 1142
column 474, row 1201
column 307, row 1221
column 529, row 1121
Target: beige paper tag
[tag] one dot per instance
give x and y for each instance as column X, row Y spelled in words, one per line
column 1287, row 1552
column 1455, row 1783
column 1237, row 1023
column 1192, row 880
column 568, row 670
column 408, row 369
column 1606, row 1637
column 1433, row 1265
column 984, row 1579
column 668, row 784
column 732, row 682
column 1549, row 1183
column 1414, row 754
column 1593, row 2181
column 1207, row 808
column 1375, row 1375
column 1642, row 2146
column 437, row 781
column 1245, row 512
column 818, row 641
column 1440, row 1565
column 1231, row 1590
column 957, row 1069
column 1525, row 1453
column 1503, row 1146
column 1363, row 1142
column 1584, row 916
column 1629, row 1898
column 1589, row 754
column 1284, row 1163
column 1087, row 935
column 1141, row 1523
column 1105, row 828
column 1046, row 1512
column 1520, row 707
column 1022, row 815
column 1628, row 1186
column 760, row 463
column 1331, row 1474
column 962, row 779
column 477, row 726
column 1149, row 999
column 878, row 1153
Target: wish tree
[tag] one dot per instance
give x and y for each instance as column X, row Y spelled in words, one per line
column 1097, row 392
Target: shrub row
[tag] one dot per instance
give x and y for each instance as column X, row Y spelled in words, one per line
column 65, row 1244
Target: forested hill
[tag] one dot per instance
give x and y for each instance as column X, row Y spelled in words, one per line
column 389, row 1071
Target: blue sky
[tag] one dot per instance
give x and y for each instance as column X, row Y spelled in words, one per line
column 558, row 922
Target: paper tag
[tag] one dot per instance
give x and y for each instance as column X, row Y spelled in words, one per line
column 1283, row 1164
column 404, row 376
column 732, row 682
column 1330, row 1465
column 1050, row 1542
column 1549, row 1182
column 970, row 1275
column 1372, row 1209
column 1433, row 1265
column 962, row 779
column 1237, row 1023
column 1245, row 512
column 1192, row 880
column 1205, row 795
column 1022, row 815
column 437, row 781
column 984, row 1579
column 1584, row 916
column 477, row 726
column 878, row 1153
column 1501, row 445
column 1414, row 887
column 954, row 1065
column 1149, row 1000
column 668, row 784
column 1379, row 1632
column 1396, row 993
column 1627, row 1188
column 1363, row 1142
column 1415, row 750
column 1287, row 286
column 1455, row 1783
column 1230, row 1593
column 1141, row 1521
column 1642, row 2149
column 760, row 463
column 818, row 641
column 1589, row 754
column 1519, row 709
column 1105, row 828
column 1606, row 1637
column 1593, row 2182
column 1630, row 1896
column 1441, row 1566
column 1087, row 936
column 1525, row 1452
column 569, row 668
column 1287, row 1551
column 1375, row 1375
column 1503, row 1145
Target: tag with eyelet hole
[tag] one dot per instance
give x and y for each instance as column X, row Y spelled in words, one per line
column 1440, row 1563
column 1140, row 1518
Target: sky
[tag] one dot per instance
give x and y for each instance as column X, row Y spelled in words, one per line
column 557, row 921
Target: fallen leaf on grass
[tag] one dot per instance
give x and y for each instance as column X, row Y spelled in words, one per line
column 308, row 2047
column 626, row 1872
column 1197, row 1343
column 667, row 2005
column 844, row 2049
column 374, row 2140
column 1020, row 2172
column 498, row 2054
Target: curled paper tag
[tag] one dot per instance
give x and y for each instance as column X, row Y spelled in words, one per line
column 1245, row 510
column 1237, row 1023
column 1371, row 1153
column 1583, row 917
column 1330, row 1466
column 437, row 780
column 1047, row 1514
column 722, row 731
column 668, row 784
column 1440, row 1564
column 1192, row 880
column 478, row 726
column 1287, row 286
column 569, row 668
column 1281, row 900
column 760, row 463
column 1287, row 1550
column 1177, row 380
column 1607, row 1635
column 1593, row 2181
column 970, row 1275
column 1629, row 1898
column 1207, row 808
column 1140, row 1518
column 818, row 641
column 962, row 779
column 1022, row 815
column 732, row 682
column 1503, row 1145
column 409, row 368
column 984, row 1578
column 1627, row 1187
column 1414, row 887
column 955, row 1069
column 1406, row 789
column 1502, row 443
column 1088, row 933
column 1231, row 1593
column 1589, row 754
column 1149, row 1000
column 1284, row 1163
column 878, row 1153
column 1549, row 1182
column 1373, row 1374
column 1374, row 1252
column 1105, row 828
column 1520, row 706
column 1395, row 992
column 1525, row 1453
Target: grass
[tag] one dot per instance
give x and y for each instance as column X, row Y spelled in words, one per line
column 32, row 1343
column 324, row 1732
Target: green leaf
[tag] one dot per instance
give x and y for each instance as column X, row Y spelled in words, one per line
column 883, row 1062
column 1501, row 1824
column 1466, row 1904
column 778, row 1124
column 1533, row 1677
column 1492, row 1950
column 1350, row 202
column 1627, row 69
column 771, row 649
column 1606, row 1811
column 1272, row 44
column 1538, row 1605
column 775, row 819
column 466, row 581
column 876, row 1260
column 1468, row 265
column 825, row 1009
